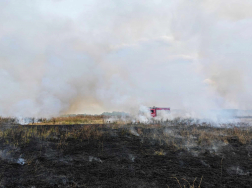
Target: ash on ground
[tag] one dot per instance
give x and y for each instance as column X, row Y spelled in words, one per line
column 171, row 154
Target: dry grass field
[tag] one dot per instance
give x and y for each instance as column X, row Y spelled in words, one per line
column 79, row 119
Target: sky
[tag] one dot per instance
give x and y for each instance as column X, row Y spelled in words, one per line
column 62, row 56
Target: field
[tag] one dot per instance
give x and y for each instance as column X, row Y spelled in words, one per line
column 178, row 153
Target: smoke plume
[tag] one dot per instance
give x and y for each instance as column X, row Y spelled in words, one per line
column 92, row 56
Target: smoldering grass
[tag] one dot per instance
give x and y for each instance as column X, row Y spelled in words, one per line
column 23, row 135
column 181, row 135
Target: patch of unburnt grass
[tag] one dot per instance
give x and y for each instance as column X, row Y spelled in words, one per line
column 71, row 120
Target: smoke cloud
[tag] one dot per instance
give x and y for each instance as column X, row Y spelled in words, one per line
column 92, row 56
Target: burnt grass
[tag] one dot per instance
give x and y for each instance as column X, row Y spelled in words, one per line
column 125, row 156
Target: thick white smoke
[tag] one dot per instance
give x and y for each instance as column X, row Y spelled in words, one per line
column 92, row 56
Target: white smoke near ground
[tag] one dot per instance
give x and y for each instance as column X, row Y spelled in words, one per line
column 59, row 57
column 144, row 115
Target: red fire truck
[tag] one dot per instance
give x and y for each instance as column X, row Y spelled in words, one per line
column 154, row 110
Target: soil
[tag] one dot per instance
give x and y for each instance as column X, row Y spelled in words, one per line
column 121, row 157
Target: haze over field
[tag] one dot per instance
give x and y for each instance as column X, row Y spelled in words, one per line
column 62, row 56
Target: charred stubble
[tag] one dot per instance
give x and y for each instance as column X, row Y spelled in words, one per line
column 101, row 156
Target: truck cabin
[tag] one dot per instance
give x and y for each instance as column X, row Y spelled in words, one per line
column 153, row 112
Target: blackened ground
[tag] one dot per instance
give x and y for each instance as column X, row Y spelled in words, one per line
column 119, row 157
